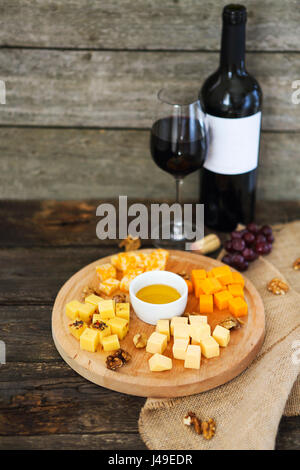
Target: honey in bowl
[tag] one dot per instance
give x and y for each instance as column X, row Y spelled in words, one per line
column 158, row 294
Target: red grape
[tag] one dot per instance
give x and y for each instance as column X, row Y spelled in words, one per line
column 270, row 238
column 249, row 254
column 228, row 246
column 243, row 266
column 252, row 228
column 238, row 244
column 249, row 238
column 239, row 262
column 266, row 230
column 235, row 235
column 260, row 238
column 227, row 259
column 237, row 258
column 262, row 248
column 268, row 248
column 243, row 232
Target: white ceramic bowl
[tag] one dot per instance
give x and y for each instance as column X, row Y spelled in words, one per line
column 150, row 313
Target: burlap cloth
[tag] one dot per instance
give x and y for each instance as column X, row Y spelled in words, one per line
column 248, row 409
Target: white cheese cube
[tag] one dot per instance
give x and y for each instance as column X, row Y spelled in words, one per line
column 221, row 335
column 196, row 319
column 159, row 363
column 192, row 357
column 182, row 332
column 178, row 321
column 163, row 327
column 156, row 343
column 200, row 331
column 209, row 347
column 179, row 348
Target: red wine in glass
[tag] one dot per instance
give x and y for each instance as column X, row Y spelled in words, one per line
column 178, row 145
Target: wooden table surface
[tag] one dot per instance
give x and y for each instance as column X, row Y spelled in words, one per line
column 43, row 403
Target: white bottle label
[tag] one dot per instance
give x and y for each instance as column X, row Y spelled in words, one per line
column 233, row 145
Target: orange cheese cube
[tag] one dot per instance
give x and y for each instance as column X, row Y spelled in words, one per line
column 198, row 275
column 223, row 274
column 106, row 271
column 126, row 280
column 236, row 290
column 206, row 303
column 210, row 286
column 225, row 279
column 221, row 299
column 237, row 278
column 238, row 307
column 220, row 271
column 109, row 286
column 209, row 274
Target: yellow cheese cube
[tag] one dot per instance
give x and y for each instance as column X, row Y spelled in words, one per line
column 86, row 312
column 106, row 271
column 109, row 286
column 93, row 299
column 200, row 331
column 106, row 309
column 159, row 363
column 209, row 347
column 221, row 335
column 196, row 319
column 179, row 348
column 111, row 343
column 123, row 310
column 102, row 328
column 118, row 326
column 77, row 327
column 163, row 327
column 157, row 343
column 178, row 320
column 89, row 340
column 72, row 309
column 182, row 332
column 192, row 357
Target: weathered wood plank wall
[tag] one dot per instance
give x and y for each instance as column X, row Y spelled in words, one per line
column 81, row 81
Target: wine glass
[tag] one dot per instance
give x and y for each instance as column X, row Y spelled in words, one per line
column 178, row 145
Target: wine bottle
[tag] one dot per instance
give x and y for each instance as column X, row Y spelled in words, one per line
column 232, row 99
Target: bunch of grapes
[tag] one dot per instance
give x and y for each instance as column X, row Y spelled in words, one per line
column 246, row 245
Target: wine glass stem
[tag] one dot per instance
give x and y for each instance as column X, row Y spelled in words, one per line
column 179, row 182
column 177, row 228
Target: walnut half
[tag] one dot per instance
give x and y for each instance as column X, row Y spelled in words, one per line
column 191, row 420
column 118, row 359
column 277, row 286
column 296, row 264
column 208, row 429
column 140, row 340
column 231, row 323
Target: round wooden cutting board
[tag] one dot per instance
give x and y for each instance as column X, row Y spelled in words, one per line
column 135, row 377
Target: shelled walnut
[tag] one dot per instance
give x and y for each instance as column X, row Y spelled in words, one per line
column 118, row 359
column 140, row 340
column 184, row 275
column 130, row 243
column 208, row 429
column 191, row 420
column 296, row 264
column 277, row 287
column 231, row 323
